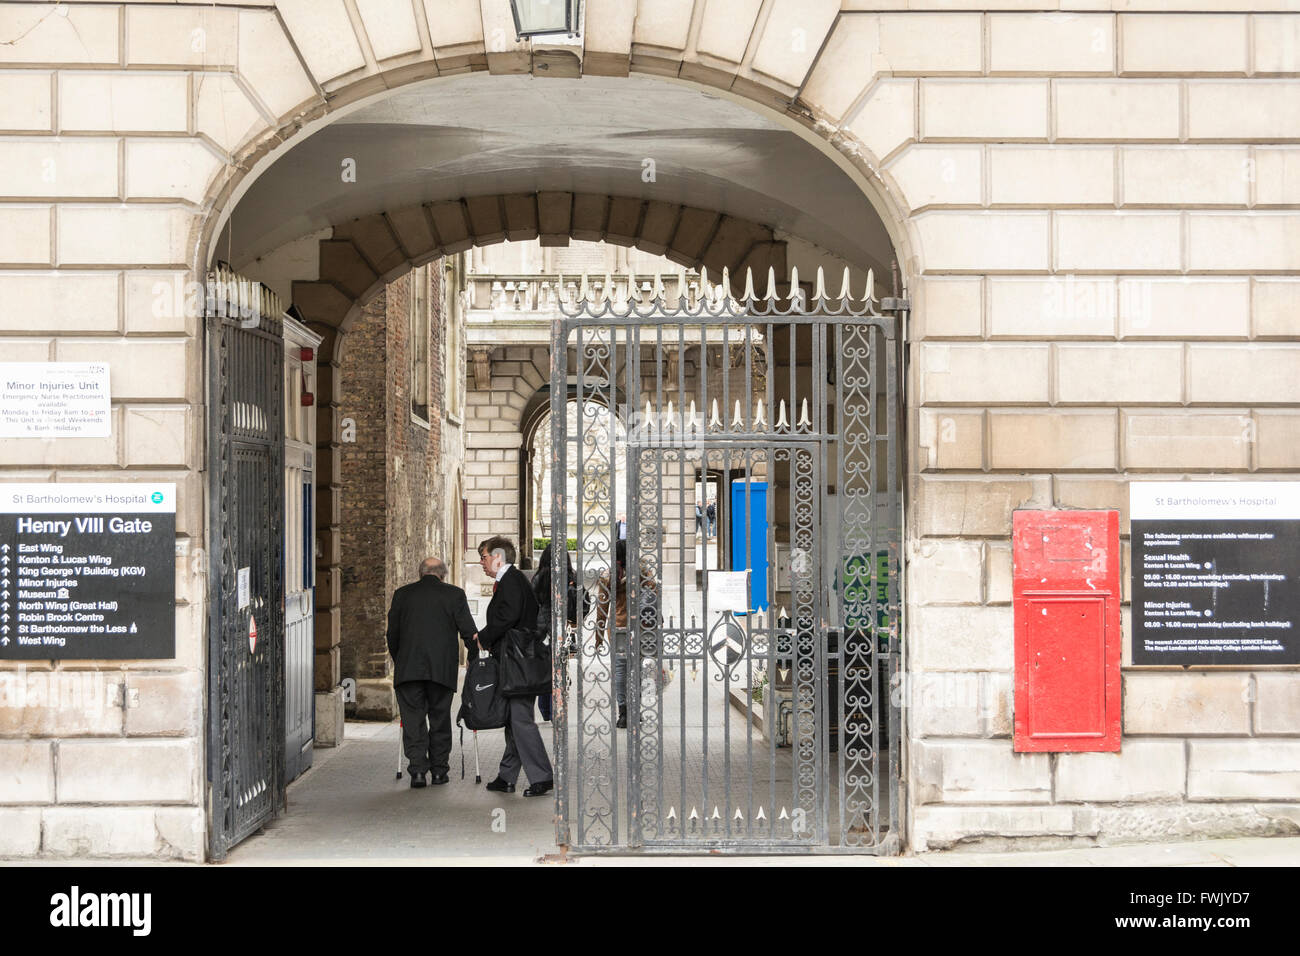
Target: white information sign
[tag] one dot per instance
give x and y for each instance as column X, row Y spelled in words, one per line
column 729, row 591
column 54, row 400
column 242, row 587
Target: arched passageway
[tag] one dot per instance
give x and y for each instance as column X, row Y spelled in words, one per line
column 339, row 222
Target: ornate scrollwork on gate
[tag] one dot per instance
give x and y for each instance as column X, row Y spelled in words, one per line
column 857, row 674
column 778, row 395
column 596, row 757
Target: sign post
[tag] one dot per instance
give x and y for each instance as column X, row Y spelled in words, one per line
column 87, row 571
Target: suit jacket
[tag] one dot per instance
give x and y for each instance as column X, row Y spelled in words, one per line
column 513, row 605
column 423, row 622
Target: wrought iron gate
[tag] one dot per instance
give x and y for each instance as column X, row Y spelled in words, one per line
column 758, row 706
column 245, row 559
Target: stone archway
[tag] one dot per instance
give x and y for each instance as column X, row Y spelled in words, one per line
column 360, row 254
column 313, row 64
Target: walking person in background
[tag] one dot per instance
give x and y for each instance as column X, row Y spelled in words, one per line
column 612, row 621
column 542, row 592
column 513, row 605
column 699, row 516
column 423, row 622
column 711, row 512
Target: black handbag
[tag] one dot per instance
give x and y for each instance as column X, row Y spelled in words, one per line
column 525, row 663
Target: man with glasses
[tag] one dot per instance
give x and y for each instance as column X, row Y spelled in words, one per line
column 513, row 605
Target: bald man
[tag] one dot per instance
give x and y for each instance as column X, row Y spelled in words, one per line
column 423, row 623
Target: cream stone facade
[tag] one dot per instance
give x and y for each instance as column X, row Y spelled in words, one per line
column 1095, row 210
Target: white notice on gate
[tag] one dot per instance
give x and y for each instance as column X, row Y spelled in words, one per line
column 54, row 400
column 729, row 591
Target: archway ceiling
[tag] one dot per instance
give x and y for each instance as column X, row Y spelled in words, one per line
column 478, row 135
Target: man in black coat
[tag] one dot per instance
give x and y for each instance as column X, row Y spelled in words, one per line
column 423, row 622
column 513, row 605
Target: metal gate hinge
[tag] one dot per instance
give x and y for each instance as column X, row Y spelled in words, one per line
column 895, row 304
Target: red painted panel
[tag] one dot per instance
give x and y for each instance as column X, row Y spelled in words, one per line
column 1066, row 594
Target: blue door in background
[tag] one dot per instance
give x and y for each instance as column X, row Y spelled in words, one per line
column 749, row 537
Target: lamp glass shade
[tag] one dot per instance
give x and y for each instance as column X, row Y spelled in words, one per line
column 538, row 17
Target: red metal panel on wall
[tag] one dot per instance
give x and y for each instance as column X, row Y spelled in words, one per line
column 1066, row 597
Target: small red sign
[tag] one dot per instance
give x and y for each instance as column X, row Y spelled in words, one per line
column 252, row 633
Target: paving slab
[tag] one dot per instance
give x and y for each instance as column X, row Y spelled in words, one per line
column 350, row 810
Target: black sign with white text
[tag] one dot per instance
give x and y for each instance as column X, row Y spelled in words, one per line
column 87, row 572
column 1215, row 573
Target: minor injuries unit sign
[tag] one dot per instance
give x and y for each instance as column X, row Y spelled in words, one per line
column 54, row 400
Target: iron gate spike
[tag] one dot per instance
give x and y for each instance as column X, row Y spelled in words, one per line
column 819, row 293
column 870, row 295
column 846, row 293
column 794, row 286
column 771, row 283
column 749, row 284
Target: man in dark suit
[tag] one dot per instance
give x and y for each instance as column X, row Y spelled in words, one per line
column 423, row 622
column 513, row 605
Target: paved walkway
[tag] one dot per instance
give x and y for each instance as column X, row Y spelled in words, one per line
column 350, row 809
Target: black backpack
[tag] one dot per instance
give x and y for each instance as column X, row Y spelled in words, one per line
column 482, row 706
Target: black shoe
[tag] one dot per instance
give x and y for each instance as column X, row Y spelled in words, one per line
column 622, row 719
column 438, row 779
column 417, row 781
column 539, row 789
column 500, row 786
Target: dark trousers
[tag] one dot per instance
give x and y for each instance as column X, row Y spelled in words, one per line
column 426, row 725
column 524, row 745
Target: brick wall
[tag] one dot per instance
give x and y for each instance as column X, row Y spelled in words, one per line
column 365, row 352
column 394, row 483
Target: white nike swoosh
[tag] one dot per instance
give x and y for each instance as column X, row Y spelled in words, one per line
column 479, row 688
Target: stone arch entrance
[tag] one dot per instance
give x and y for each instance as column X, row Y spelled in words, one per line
column 331, row 272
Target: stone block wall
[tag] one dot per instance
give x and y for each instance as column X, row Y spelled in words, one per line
column 1094, row 211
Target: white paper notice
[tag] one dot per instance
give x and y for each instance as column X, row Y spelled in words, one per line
column 729, row 591
column 54, row 400
column 241, row 587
